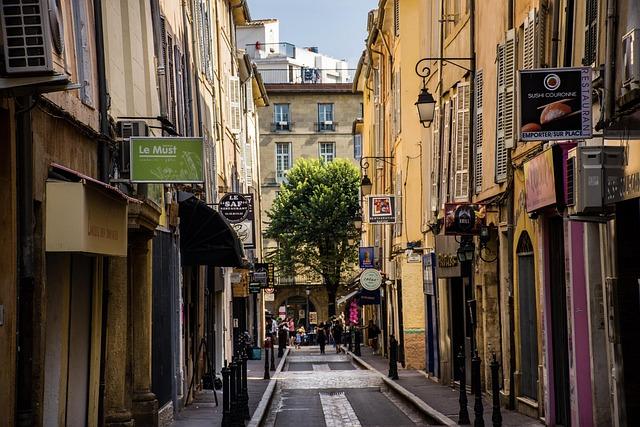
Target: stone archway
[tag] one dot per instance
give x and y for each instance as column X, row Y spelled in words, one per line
column 318, row 298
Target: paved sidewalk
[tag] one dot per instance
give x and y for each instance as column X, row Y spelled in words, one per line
column 443, row 398
column 204, row 412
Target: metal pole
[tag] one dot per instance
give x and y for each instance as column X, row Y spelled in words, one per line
column 273, row 357
column 393, row 358
column 266, row 360
column 358, row 339
column 496, row 416
column 239, row 397
column 478, row 409
column 245, row 389
column 226, row 409
column 463, row 414
column 233, row 392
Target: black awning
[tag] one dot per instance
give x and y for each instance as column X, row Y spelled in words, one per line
column 206, row 238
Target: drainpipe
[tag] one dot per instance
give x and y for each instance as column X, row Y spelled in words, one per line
column 610, row 62
column 26, row 264
column 555, row 24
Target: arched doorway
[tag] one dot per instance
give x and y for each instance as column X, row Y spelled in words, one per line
column 297, row 309
column 527, row 318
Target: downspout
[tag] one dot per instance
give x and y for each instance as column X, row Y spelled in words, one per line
column 103, row 175
column 555, row 24
column 610, row 63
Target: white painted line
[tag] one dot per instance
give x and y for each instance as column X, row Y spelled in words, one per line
column 337, row 410
column 321, row 367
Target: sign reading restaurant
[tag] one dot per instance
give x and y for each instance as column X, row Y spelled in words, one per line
column 555, row 103
column 166, row 160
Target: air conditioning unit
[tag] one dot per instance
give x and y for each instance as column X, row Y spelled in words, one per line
column 589, row 170
column 32, row 37
column 631, row 61
column 125, row 130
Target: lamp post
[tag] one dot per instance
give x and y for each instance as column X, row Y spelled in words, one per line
column 366, row 185
column 308, row 292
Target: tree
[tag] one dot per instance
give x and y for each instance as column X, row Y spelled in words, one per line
column 312, row 221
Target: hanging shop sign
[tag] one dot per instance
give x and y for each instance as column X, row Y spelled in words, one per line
column 540, row 181
column 366, row 297
column 238, row 210
column 269, row 297
column 446, row 260
column 464, row 219
column 166, row 160
column 255, row 287
column 261, row 274
column 366, row 257
column 313, row 317
column 271, row 273
column 370, row 279
column 555, row 103
column 382, row 209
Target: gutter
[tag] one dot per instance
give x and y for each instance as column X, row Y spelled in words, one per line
column 261, row 87
column 356, row 76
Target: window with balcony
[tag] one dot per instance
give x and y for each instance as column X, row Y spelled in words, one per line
column 325, row 117
column 327, row 151
column 281, row 117
column 283, row 160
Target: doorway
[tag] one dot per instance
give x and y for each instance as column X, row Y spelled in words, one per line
column 460, row 328
column 527, row 318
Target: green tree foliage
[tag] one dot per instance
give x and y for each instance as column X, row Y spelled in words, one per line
column 312, row 221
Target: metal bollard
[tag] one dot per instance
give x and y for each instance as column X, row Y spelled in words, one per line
column 463, row 415
column 478, row 408
column 496, row 416
column 358, row 339
column 350, row 342
column 273, row 355
column 239, row 395
column 282, row 342
column 233, row 393
column 393, row 358
column 266, row 360
column 245, row 389
column 226, row 402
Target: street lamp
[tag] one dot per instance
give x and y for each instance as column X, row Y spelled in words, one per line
column 308, row 292
column 426, row 107
column 466, row 251
column 366, row 185
column 357, row 221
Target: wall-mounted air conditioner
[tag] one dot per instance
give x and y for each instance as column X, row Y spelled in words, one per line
column 589, row 169
column 32, row 37
column 125, row 130
column 631, row 61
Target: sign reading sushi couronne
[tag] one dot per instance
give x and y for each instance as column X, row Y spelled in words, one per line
column 166, row 160
column 555, row 103
column 370, row 279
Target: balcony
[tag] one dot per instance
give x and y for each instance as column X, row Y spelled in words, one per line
column 282, row 126
column 326, row 126
column 305, row 75
column 270, row 50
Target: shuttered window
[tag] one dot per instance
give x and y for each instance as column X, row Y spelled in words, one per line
column 505, row 104
column 435, row 159
column 235, row 113
column 445, row 158
column 396, row 125
column 590, row 32
column 396, row 17
column 478, row 128
column 462, row 143
column 533, row 46
column 398, row 225
column 249, row 152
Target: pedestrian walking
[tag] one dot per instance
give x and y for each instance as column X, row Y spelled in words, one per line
column 299, row 337
column 322, row 338
column 337, row 335
column 292, row 332
column 373, row 331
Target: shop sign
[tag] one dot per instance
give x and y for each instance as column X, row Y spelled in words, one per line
column 238, row 210
column 540, row 184
column 240, row 290
column 83, row 218
column 269, row 297
column 627, row 186
column 271, row 273
column 166, row 160
column 446, row 257
column 555, row 103
column 370, row 279
column 428, row 273
column 382, row 209
column 366, row 297
column 261, row 274
column 464, row 218
column 255, row 287
column 414, row 258
column 366, row 257
column 313, row 317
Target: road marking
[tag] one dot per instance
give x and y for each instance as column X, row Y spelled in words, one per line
column 321, row 367
column 338, row 411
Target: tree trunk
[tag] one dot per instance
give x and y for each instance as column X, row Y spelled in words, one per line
column 332, row 301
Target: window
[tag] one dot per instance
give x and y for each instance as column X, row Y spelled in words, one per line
column 327, row 151
column 235, row 113
column 590, row 33
column 205, row 39
column 357, row 146
column 478, row 130
column 281, row 116
column 325, row 117
column 461, row 143
column 283, row 160
column 506, row 105
column 83, row 54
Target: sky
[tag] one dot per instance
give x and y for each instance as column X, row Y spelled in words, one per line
column 337, row 27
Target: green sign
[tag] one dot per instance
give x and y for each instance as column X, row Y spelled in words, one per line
column 168, row 159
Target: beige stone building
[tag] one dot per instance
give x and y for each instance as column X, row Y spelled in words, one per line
column 304, row 121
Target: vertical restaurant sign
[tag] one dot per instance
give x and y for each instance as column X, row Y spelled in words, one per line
column 555, row 103
column 428, row 272
column 382, row 209
column 539, row 181
column 366, row 257
column 166, row 160
column 238, row 210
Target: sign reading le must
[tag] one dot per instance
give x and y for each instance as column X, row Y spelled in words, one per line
column 234, row 207
column 370, row 279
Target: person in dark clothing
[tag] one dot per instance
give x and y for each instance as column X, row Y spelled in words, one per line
column 322, row 338
column 337, row 335
column 372, row 335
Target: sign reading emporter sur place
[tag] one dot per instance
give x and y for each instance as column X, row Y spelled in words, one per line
column 555, row 103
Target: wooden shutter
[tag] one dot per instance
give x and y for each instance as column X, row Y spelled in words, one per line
column 505, row 104
column 171, row 85
column 235, row 112
column 463, row 143
column 590, row 32
column 398, row 225
column 446, row 154
column 478, row 130
column 396, row 17
column 435, row 159
column 529, row 45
